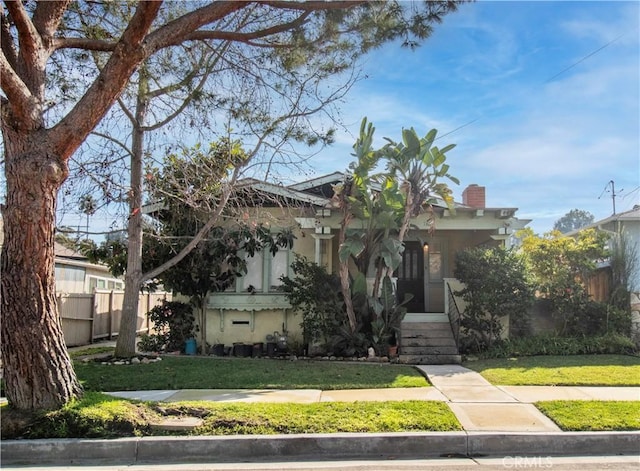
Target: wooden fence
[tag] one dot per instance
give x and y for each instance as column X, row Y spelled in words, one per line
column 598, row 285
column 90, row 317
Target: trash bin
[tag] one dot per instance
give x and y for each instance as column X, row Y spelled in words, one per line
column 242, row 349
column 271, row 349
column 190, row 346
column 218, row 349
column 257, row 349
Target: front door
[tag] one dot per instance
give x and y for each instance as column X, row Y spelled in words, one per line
column 410, row 275
column 434, row 274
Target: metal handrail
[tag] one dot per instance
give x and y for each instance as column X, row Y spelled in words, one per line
column 454, row 314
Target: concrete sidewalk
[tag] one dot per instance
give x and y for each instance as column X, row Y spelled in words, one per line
column 497, row 421
column 478, row 405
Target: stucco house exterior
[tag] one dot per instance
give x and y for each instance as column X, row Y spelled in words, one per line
column 255, row 308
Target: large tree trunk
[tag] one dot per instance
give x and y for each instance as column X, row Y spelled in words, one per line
column 38, row 372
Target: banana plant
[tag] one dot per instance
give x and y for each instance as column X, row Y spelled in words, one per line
column 389, row 314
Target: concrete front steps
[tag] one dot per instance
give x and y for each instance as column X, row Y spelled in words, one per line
column 427, row 339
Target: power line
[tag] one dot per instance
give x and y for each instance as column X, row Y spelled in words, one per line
column 613, row 193
column 584, row 58
column 546, row 81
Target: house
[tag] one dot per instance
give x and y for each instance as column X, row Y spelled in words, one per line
column 626, row 224
column 255, row 308
column 75, row 274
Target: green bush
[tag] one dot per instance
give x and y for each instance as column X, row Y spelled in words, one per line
column 496, row 285
column 152, row 342
column 559, row 265
column 316, row 295
column 611, row 343
column 174, row 322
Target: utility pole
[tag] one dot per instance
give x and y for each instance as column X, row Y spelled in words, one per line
column 613, row 193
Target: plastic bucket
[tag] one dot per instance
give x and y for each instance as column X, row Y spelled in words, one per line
column 190, row 347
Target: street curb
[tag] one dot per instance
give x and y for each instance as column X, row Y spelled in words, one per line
column 341, row 446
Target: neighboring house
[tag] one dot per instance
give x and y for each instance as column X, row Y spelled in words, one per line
column 256, row 307
column 626, row 224
column 75, row 274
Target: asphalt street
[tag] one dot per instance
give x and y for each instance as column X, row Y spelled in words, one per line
column 576, row 463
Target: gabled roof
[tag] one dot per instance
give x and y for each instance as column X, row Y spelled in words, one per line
column 633, row 215
column 321, row 183
column 282, row 191
column 65, row 252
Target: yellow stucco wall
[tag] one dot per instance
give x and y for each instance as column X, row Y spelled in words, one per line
column 244, row 326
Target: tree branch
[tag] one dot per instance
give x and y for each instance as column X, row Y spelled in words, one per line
column 47, row 17
column 85, row 44
column 188, row 99
column 312, row 6
column 28, row 36
column 6, row 41
column 202, row 233
column 177, row 30
column 131, row 50
column 247, row 37
column 21, row 100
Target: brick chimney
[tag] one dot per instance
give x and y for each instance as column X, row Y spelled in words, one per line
column 473, row 196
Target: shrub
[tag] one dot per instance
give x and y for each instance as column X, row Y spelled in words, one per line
column 496, row 285
column 553, row 345
column 174, row 322
column 316, row 295
column 585, row 318
column 560, row 265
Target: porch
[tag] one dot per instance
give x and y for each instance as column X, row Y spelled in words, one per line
column 432, row 338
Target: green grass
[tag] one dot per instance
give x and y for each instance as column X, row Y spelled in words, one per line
column 98, row 415
column 95, row 415
column 75, row 354
column 324, row 417
column 585, row 416
column 245, row 373
column 574, row 370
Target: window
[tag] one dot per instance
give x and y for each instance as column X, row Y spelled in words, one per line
column 279, row 267
column 96, row 282
column 436, row 265
column 264, row 271
column 253, row 278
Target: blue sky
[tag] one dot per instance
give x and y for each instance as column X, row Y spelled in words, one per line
column 547, row 95
column 542, row 100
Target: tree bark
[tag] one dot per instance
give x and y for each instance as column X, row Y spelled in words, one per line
column 37, row 368
column 126, row 343
column 345, row 283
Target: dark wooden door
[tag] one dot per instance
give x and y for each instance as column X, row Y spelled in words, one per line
column 410, row 275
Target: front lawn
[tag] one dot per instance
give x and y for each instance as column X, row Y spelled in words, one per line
column 573, row 370
column 185, row 372
column 99, row 415
column 583, row 416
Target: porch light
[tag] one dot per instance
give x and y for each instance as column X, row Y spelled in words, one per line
column 425, row 246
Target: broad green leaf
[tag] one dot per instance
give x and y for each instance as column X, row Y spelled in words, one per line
column 411, row 140
column 350, row 247
column 359, row 284
column 446, row 149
